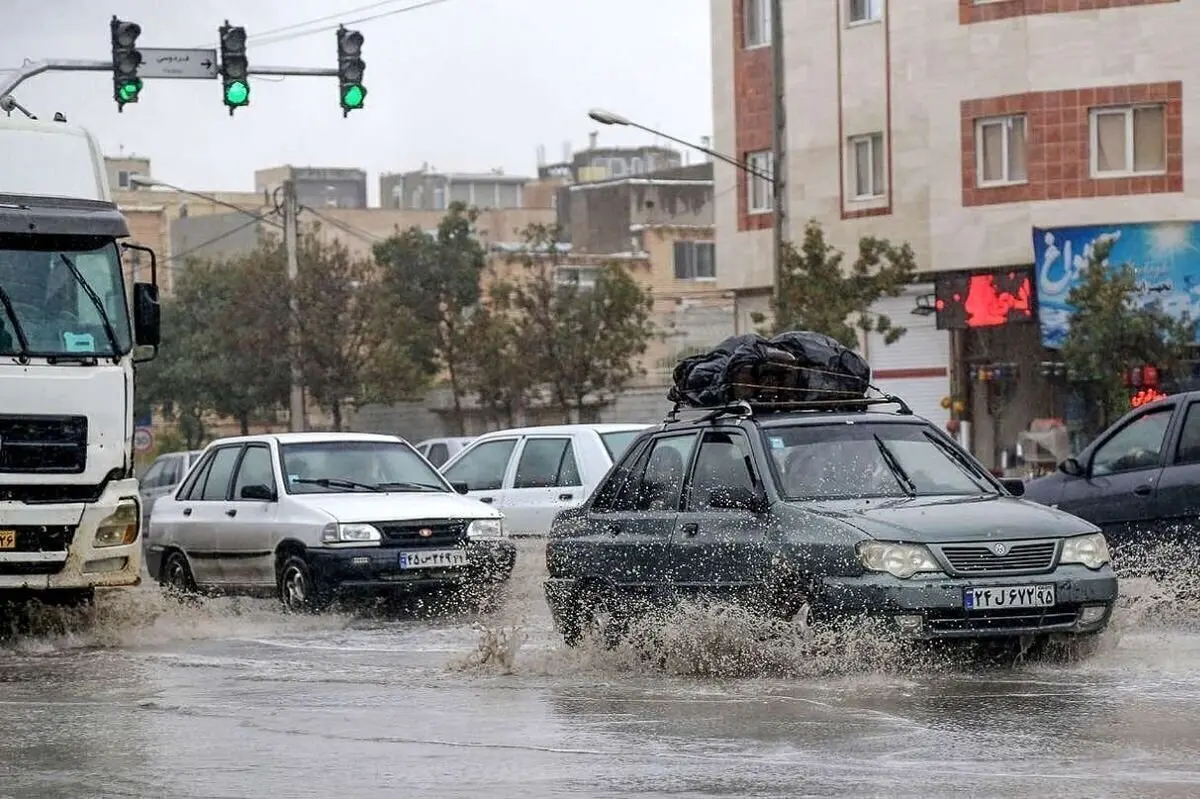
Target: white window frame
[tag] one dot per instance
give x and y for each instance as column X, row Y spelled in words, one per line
column 692, row 260
column 762, row 161
column 874, row 9
column 1130, row 144
column 851, row 146
column 761, row 37
column 1007, row 122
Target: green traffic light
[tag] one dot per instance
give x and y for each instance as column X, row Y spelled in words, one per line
column 353, row 96
column 128, row 90
column 237, row 93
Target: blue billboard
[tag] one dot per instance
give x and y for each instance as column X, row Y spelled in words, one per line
column 1164, row 255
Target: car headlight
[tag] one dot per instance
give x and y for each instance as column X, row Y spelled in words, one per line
column 1088, row 550
column 357, row 533
column 120, row 527
column 898, row 560
column 486, row 528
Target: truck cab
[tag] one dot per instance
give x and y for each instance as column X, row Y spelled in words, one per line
column 69, row 508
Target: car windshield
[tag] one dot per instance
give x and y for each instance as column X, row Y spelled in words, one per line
column 342, row 466
column 63, row 298
column 843, row 461
column 617, row 443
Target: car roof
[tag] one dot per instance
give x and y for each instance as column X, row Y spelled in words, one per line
column 305, row 438
column 560, row 429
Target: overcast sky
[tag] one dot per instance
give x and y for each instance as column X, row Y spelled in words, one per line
column 465, row 85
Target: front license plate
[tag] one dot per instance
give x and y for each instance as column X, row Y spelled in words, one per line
column 433, row 559
column 1015, row 596
column 8, row 539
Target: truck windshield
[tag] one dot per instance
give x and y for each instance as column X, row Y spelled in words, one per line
column 62, row 297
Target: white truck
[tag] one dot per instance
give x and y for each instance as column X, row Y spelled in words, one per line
column 69, row 507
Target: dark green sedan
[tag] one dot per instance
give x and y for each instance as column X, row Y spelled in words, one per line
column 860, row 512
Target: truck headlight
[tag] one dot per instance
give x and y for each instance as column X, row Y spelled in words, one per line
column 120, row 527
column 1087, row 550
column 486, row 528
column 898, row 560
column 356, row 533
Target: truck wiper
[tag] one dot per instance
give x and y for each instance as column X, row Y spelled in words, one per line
column 109, row 332
column 890, row 459
column 23, row 342
column 337, row 482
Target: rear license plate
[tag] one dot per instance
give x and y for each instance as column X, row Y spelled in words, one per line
column 8, row 539
column 433, row 559
column 1014, row 596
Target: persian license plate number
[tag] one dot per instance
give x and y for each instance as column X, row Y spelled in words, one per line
column 1009, row 596
column 8, row 539
column 433, row 559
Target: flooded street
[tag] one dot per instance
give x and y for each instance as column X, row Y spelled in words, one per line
column 234, row 699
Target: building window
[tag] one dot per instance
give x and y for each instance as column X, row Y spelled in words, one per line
column 756, row 19
column 1129, row 141
column 759, row 190
column 439, row 198
column 695, row 260
column 866, row 165
column 123, row 179
column 1000, row 151
column 865, row 11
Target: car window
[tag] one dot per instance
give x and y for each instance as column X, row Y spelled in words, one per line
column 656, row 482
column 483, row 468
column 844, row 461
column 545, row 463
column 216, row 484
column 154, row 476
column 254, row 470
column 438, row 454
column 192, row 488
column 724, row 465
column 617, row 443
column 1189, row 438
column 1137, row 445
column 388, row 465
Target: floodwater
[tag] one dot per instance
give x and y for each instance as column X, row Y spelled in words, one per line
column 144, row 697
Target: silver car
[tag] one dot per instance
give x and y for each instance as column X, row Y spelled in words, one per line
column 162, row 477
column 312, row 515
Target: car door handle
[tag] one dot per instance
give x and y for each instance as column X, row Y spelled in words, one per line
column 488, row 500
column 1142, row 491
column 187, row 511
column 231, row 512
column 690, row 529
column 565, row 497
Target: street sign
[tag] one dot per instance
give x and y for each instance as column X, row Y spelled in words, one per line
column 143, row 439
column 169, row 62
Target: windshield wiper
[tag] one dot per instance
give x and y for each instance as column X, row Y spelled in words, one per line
column 966, row 465
column 410, row 485
column 890, row 459
column 23, row 342
column 109, row 332
column 337, row 482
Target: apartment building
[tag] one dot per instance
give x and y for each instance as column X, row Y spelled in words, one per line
column 998, row 137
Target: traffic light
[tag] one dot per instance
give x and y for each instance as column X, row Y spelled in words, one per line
column 234, row 66
column 126, row 59
column 350, row 70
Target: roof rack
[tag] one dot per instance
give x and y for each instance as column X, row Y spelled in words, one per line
column 748, row 408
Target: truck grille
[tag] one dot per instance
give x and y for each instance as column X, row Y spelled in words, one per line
column 962, row 621
column 43, row 444
column 42, row 538
column 408, row 534
column 1028, row 556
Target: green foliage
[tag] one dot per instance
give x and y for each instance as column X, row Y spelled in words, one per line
column 1111, row 332
column 498, row 371
column 817, row 294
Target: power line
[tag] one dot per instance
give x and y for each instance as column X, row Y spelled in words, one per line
column 346, row 227
column 179, row 255
column 305, row 24
column 289, row 32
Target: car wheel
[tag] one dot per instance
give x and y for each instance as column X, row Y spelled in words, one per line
column 176, row 575
column 299, row 590
column 595, row 613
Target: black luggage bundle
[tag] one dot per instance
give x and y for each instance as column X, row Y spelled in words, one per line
column 795, row 367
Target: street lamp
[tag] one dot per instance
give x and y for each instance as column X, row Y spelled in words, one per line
column 145, row 180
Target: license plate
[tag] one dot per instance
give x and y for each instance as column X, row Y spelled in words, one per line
column 1013, row 596
column 8, row 539
column 433, row 559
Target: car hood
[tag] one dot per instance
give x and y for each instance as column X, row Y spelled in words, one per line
column 396, row 506
column 935, row 520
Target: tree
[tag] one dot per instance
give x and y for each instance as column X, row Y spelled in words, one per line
column 497, row 367
column 1111, row 331
column 435, row 279
column 582, row 341
column 168, row 383
column 816, row 294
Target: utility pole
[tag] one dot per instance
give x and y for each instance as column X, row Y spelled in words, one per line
column 779, row 144
column 296, row 421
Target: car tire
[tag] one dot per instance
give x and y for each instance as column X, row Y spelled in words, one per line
column 176, row 577
column 299, row 590
column 595, row 613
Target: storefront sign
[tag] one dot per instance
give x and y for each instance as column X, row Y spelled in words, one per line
column 983, row 299
column 1164, row 255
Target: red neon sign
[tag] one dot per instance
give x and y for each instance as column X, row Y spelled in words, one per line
column 1145, row 396
column 984, row 300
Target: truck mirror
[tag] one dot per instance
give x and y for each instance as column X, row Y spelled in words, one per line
column 146, row 315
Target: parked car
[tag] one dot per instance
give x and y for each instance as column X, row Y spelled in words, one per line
column 828, row 515
column 161, row 478
column 309, row 515
column 532, row 473
column 1139, row 480
column 439, row 450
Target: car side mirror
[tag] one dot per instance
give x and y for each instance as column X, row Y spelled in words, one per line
column 461, row 487
column 1013, row 485
column 1072, row 467
column 147, row 317
column 261, row 493
column 737, row 498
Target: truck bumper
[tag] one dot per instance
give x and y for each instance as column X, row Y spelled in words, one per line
column 55, row 547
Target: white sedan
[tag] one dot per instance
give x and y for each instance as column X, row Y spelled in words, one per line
column 532, row 473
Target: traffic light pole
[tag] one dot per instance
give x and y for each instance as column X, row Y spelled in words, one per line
column 296, row 420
